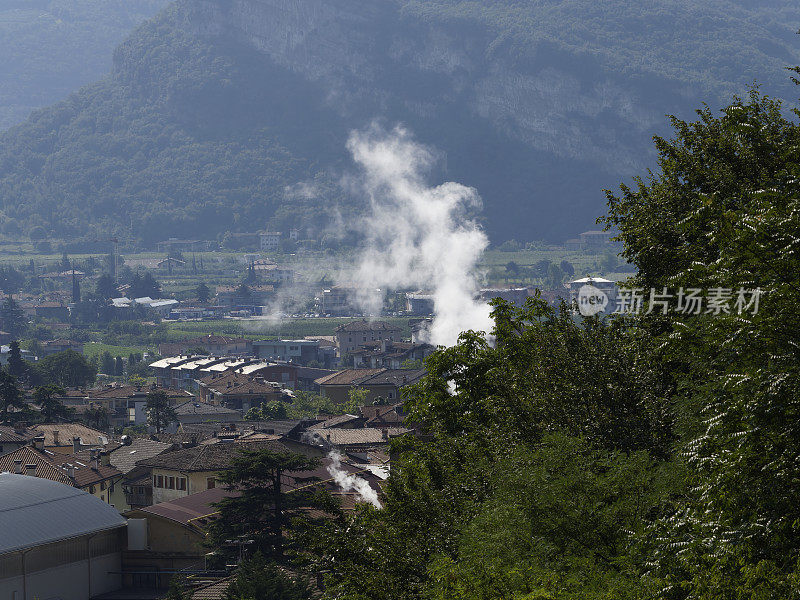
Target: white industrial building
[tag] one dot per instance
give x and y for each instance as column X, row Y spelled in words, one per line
column 57, row 541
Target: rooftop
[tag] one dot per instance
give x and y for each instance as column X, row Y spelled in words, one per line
column 36, row 511
column 125, row 458
column 209, row 457
column 365, row 325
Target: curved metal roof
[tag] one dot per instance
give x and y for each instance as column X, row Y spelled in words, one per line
column 36, row 511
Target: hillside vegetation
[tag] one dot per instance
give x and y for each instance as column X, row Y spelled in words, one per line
column 204, row 125
column 50, row 48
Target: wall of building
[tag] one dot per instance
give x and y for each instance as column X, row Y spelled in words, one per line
column 195, row 482
column 63, row 569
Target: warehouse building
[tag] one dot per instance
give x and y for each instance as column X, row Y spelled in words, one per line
column 57, row 541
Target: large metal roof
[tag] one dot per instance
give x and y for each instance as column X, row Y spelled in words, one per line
column 36, row 511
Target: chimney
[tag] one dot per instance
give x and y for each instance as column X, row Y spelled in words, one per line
column 94, row 455
column 76, row 444
column 38, row 443
column 70, row 470
column 385, row 434
column 18, row 466
column 55, row 437
column 20, row 427
column 30, row 470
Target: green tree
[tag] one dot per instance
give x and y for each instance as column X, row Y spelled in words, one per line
column 16, row 364
column 106, row 288
column 159, row 410
column 10, row 396
column 67, row 369
column 259, row 579
column 96, row 416
column 721, row 215
column 51, row 408
column 107, row 364
column 579, row 411
column 267, row 411
column 203, row 293
column 12, row 317
column 567, row 267
column 265, row 511
column 512, row 268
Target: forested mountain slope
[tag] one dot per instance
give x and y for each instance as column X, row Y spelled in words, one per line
column 50, row 48
column 215, row 107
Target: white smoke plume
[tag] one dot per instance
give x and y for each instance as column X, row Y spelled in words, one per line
column 416, row 235
column 349, row 482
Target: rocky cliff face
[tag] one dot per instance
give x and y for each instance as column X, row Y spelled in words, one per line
column 370, row 58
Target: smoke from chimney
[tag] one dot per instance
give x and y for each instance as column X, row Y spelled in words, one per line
column 417, row 235
column 348, row 481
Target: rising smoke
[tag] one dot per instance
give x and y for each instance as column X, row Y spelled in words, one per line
column 349, row 482
column 416, row 235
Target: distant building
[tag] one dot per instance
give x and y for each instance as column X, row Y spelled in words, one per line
column 191, row 470
column 379, row 383
column 351, row 335
column 420, row 304
column 57, row 541
column 596, row 240
column 515, row 296
column 239, row 391
column 337, row 301
column 301, row 352
column 55, row 346
column 270, row 241
column 388, row 354
column 216, row 345
column 606, row 287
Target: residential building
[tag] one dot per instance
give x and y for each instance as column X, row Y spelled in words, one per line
column 595, row 240
column 13, row 438
column 351, row 335
column 56, row 311
column 355, row 440
column 55, row 346
column 390, row 355
column 239, row 391
column 337, row 301
column 516, row 296
column 57, row 541
column 202, row 412
column 271, row 272
column 300, row 352
column 270, row 241
column 127, row 404
column 385, row 384
column 607, row 292
column 137, row 485
column 84, row 472
column 191, row 470
column 256, row 295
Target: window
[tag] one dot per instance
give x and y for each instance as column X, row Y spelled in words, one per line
column 171, row 483
column 91, row 489
column 159, row 481
column 182, row 483
column 102, row 485
column 210, row 483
